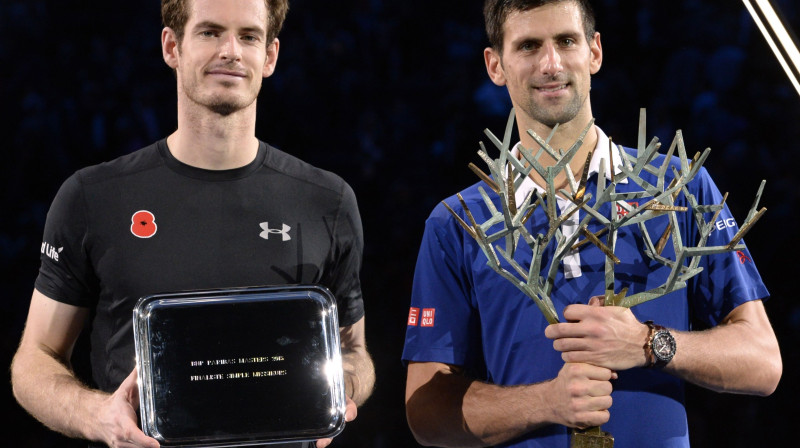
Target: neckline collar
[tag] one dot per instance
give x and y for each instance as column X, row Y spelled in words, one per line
column 600, row 153
column 211, row 175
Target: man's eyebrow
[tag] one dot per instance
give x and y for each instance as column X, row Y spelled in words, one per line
column 253, row 29
column 526, row 39
column 207, row 24
column 567, row 34
column 538, row 40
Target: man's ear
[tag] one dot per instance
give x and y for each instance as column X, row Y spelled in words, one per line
column 494, row 66
column 596, row 49
column 272, row 58
column 169, row 47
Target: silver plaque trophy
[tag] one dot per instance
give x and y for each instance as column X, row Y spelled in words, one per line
column 239, row 367
column 508, row 219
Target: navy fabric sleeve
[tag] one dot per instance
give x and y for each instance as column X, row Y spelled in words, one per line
column 729, row 279
column 66, row 274
column 344, row 279
column 443, row 324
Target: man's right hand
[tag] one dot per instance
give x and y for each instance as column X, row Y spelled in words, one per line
column 446, row 408
column 45, row 385
column 117, row 417
column 580, row 395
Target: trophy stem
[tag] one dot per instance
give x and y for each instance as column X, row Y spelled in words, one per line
column 593, row 437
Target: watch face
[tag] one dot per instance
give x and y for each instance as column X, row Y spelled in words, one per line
column 663, row 346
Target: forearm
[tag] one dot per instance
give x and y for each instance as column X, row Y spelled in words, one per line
column 495, row 414
column 445, row 408
column 740, row 355
column 733, row 357
column 454, row 411
column 49, row 391
column 359, row 374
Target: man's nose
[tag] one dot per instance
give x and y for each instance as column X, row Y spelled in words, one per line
column 230, row 48
column 551, row 60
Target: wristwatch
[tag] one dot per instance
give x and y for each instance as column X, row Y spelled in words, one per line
column 659, row 348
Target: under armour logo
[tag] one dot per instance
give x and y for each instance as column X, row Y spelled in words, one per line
column 283, row 231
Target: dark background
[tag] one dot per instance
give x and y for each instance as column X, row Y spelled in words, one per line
column 393, row 96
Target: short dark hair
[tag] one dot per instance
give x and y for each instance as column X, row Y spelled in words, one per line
column 175, row 14
column 495, row 13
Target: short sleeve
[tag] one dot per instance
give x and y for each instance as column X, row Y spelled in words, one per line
column 344, row 280
column 443, row 325
column 65, row 273
column 729, row 279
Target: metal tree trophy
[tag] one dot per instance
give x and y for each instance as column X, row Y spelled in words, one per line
column 508, row 173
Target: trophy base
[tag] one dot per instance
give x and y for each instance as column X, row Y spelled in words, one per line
column 591, row 438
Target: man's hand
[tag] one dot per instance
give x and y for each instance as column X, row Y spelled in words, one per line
column 45, row 385
column 606, row 336
column 350, row 414
column 118, row 417
column 580, row 395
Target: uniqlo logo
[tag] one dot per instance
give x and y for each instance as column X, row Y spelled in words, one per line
column 427, row 316
column 413, row 316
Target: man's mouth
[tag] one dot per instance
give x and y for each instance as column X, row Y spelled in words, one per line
column 226, row 72
column 551, row 88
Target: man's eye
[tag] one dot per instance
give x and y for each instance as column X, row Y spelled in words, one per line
column 207, row 33
column 568, row 42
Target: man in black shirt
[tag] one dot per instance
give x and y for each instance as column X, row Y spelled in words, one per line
column 210, row 206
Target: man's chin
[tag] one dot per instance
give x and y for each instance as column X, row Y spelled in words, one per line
column 550, row 120
column 225, row 105
column 224, row 108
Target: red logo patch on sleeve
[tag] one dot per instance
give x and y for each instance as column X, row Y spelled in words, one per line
column 427, row 316
column 742, row 257
column 413, row 316
column 621, row 211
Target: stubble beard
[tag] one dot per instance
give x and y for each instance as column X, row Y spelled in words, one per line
column 552, row 114
column 228, row 104
column 221, row 104
column 224, row 108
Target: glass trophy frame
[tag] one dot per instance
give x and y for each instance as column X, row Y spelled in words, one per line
column 239, row 367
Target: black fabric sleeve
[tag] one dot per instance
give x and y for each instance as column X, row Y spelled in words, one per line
column 348, row 246
column 65, row 273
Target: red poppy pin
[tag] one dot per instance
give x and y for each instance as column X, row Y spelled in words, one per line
column 143, row 224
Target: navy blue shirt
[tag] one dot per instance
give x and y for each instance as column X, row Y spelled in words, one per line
column 463, row 313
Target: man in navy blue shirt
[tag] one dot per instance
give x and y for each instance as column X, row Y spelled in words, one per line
column 484, row 368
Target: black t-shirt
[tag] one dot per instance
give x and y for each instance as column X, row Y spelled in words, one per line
column 146, row 223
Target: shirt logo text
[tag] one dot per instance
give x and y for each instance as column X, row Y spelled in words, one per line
column 413, row 316
column 50, row 251
column 428, row 315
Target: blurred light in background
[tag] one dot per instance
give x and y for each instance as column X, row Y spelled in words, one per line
column 777, row 37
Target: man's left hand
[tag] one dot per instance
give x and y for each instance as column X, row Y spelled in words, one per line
column 350, row 414
column 606, row 336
